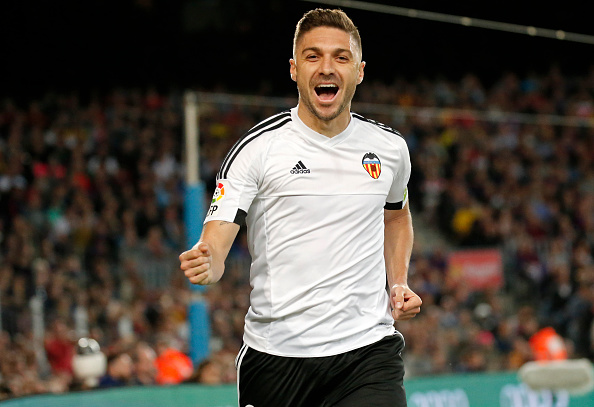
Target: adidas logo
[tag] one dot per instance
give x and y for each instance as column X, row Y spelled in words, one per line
column 299, row 168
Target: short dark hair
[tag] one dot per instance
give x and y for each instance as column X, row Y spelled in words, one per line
column 326, row 18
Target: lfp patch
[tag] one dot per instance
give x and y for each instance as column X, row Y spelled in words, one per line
column 219, row 193
column 372, row 165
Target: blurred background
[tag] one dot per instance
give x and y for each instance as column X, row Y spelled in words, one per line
column 499, row 125
column 90, row 45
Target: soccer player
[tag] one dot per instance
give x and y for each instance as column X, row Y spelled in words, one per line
column 323, row 192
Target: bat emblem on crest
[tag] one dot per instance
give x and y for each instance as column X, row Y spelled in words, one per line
column 372, row 165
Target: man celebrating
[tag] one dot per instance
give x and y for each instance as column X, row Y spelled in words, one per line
column 324, row 194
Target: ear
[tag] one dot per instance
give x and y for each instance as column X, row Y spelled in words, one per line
column 293, row 69
column 361, row 72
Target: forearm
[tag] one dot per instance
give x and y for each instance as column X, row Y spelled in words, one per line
column 398, row 243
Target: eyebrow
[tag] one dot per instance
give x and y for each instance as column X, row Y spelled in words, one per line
column 319, row 51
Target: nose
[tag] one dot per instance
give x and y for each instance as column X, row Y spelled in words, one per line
column 327, row 66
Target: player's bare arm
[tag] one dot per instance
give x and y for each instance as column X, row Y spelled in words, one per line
column 398, row 243
column 205, row 263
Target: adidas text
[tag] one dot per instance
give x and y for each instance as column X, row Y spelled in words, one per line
column 296, row 171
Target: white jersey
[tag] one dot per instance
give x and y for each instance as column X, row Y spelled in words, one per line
column 315, row 224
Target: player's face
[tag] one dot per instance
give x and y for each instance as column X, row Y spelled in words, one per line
column 327, row 68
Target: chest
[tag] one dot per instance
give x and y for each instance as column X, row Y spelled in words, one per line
column 300, row 168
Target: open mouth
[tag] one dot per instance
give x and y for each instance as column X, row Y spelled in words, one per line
column 326, row 91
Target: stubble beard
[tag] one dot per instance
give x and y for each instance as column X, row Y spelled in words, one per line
column 346, row 101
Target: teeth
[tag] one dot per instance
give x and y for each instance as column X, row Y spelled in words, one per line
column 328, row 85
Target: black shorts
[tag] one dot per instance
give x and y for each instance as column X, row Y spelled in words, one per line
column 368, row 376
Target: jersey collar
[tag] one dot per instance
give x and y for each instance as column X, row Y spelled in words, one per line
column 320, row 138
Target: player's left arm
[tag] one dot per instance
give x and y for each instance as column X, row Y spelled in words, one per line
column 398, row 243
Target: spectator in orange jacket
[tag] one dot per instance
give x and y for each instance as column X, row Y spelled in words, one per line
column 547, row 344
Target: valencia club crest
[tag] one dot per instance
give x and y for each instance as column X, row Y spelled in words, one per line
column 372, row 165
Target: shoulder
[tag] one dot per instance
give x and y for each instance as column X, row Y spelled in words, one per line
column 266, row 129
column 375, row 124
column 254, row 140
column 270, row 124
column 392, row 136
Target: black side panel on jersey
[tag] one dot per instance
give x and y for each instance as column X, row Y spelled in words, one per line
column 240, row 217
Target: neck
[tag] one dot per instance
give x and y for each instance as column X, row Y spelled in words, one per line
column 328, row 128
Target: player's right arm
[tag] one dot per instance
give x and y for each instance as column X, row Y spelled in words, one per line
column 237, row 185
column 205, row 263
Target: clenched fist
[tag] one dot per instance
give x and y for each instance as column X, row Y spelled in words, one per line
column 405, row 303
column 197, row 265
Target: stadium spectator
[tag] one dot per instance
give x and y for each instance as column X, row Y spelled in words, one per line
column 145, row 369
column 60, row 347
column 173, row 366
column 119, row 371
column 208, row 372
column 546, row 344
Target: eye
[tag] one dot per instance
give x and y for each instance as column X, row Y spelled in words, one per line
column 343, row 58
column 311, row 57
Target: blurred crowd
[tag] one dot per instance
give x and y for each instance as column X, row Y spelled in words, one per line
column 91, row 224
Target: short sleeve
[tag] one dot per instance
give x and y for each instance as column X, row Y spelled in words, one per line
column 398, row 194
column 236, row 186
